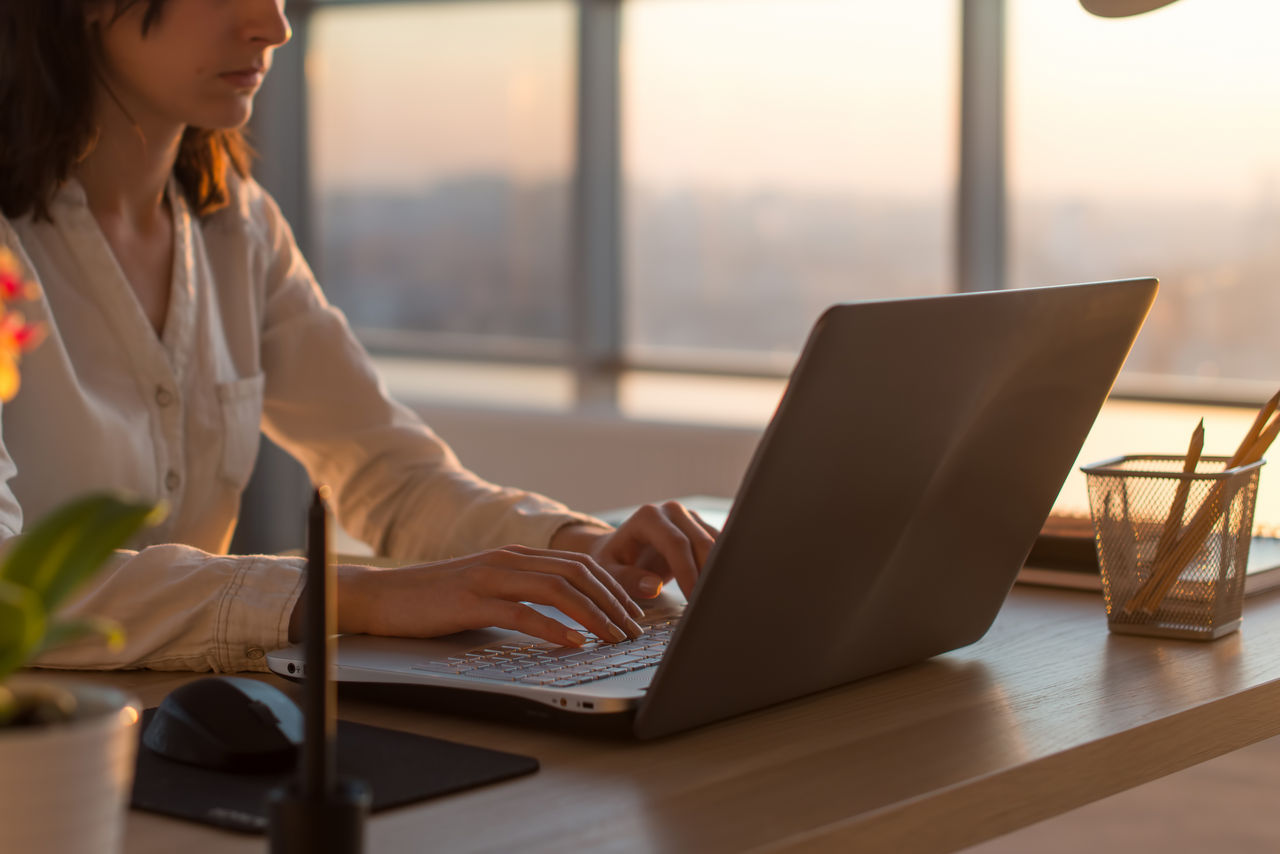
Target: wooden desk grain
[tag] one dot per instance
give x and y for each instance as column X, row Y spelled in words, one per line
column 1046, row 713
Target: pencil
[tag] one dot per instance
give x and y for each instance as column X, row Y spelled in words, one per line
column 1263, row 442
column 1255, row 431
column 1172, row 522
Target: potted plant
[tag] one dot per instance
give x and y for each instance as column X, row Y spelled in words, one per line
column 66, row 751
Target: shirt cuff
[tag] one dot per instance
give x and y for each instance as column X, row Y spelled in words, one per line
column 255, row 609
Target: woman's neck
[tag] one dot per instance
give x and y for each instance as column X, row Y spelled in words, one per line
column 125, row 174
column 124, row 178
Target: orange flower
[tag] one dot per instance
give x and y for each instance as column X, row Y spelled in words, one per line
column 10, row 379
column 16, row 335
column 11, row 284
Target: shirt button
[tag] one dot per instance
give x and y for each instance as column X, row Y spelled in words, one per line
column 164, row 397
column 172, row 480
column 255, row 652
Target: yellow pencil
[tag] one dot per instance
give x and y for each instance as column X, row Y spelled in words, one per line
column 1172, row 522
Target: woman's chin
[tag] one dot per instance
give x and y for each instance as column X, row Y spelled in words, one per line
column 232, row 116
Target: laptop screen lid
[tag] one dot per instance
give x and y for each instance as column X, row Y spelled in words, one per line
column 911, row 462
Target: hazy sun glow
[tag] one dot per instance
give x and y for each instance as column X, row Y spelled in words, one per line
column 406, row 95
column 814, row 94
column 1180, row 103
column 818, row 95
column 804, row 94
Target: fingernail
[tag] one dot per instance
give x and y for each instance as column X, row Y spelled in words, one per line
column 649, row 585
column 634, row 629
column 575, row 638
column 616, row 634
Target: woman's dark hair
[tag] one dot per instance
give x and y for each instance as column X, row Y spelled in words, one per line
column 48, row 75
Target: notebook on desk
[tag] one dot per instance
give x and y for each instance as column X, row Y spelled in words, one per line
column 918, row 447
column 1063, row 555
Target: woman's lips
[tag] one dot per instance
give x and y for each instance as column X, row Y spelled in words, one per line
column 244, row 78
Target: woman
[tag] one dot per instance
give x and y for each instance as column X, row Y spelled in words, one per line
column 181, row 318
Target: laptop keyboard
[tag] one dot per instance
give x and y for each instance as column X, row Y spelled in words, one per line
column 541, row 663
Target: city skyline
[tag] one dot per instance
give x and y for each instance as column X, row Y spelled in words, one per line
column 724, row 272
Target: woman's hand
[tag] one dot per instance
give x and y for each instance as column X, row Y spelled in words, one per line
column 654, row 545
column 483, row 590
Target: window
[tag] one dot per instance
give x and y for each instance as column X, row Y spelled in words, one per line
column 1149, row 145
column 441, row 142
column 780, row 155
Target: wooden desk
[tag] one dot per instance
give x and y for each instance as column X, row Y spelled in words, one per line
column 1046, row 713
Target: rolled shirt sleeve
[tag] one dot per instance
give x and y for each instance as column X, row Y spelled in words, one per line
column 184, row 609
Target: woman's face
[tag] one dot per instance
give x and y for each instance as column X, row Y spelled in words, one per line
column 200, row 62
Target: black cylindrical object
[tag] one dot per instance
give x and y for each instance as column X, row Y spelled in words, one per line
column 319, row 813
column 333, row 824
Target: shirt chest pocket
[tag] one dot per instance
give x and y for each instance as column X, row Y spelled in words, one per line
column 240, row 409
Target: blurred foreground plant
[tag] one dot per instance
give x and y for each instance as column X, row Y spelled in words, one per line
column 56, row 554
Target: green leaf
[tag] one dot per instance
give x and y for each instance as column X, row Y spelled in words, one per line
column 62, row 550
column 65, row 631
column 22, row 625
column 114, row 524
column 27, row 558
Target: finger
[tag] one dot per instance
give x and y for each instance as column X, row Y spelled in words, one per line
column 618, row 603
column 521, row 618
column 616, row 587
column 666, row 538
column 701, row 535
column 557, row 582
column 712, row 530
column 601, row 574
column 516, row 585
column 646, row 584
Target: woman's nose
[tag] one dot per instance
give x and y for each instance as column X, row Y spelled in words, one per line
column 265, row 22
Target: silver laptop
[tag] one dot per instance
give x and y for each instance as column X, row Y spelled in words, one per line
column 888, row 508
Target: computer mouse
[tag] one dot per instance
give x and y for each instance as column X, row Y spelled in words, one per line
column 227, row 723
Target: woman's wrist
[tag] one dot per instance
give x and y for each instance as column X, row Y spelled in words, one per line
column 353, row 602
column 577, row 537
column 355, row 597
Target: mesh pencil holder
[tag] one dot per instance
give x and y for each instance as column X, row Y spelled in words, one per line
column 1172, row 546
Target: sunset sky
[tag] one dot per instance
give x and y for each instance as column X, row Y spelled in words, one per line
column 827, row 95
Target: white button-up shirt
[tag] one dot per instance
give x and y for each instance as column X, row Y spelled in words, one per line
column 249, row 344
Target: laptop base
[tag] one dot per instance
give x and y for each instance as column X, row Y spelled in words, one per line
column 487, row 705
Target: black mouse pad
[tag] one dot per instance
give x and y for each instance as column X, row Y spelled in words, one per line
column 399, row 768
